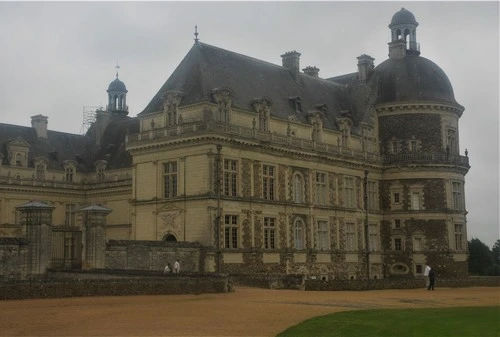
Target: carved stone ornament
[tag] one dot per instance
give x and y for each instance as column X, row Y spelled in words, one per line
column 169, row 216
column 172, row 99
column 262, row 105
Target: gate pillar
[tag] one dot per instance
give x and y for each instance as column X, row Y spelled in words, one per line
column 36, row 221
column 94, row 236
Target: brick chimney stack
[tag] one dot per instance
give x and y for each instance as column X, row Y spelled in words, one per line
column 39, row 123
column 291, row 61
column 365, row 66
column 311, row 71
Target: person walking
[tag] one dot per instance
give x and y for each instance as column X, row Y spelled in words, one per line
column 426, row 275
column 167, row 269
column 432, row 279
column 177, row 267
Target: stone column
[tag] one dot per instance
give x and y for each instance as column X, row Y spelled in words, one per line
column 36, row 221
column 94, row 236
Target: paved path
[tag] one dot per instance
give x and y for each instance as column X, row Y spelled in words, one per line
column 246, row 312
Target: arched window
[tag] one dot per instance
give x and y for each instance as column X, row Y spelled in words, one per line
column 298, row 188
column 298, row 234
column 19, row 160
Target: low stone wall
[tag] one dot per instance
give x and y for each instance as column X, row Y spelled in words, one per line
column 270, row 281
column 13, row 258
column 153, row 255
column 70, row 284
column 410, row 283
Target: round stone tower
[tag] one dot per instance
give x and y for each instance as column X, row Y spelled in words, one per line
column 422, row 184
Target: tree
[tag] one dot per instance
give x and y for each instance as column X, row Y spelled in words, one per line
column 480, row 257
column 496, row 252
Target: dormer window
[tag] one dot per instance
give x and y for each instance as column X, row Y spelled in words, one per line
column 100, row 167
column 40, row 168
column 297, row 103
column 19, row 159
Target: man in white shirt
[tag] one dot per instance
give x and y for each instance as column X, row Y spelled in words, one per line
column 177, row 267
column 426, row 274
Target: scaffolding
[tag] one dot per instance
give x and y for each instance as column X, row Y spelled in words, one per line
column 89, row 113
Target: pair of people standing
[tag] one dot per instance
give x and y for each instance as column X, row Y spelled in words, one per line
column 175, row 270
column 430, row 275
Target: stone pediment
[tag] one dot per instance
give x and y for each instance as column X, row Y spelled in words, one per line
column 19, row 142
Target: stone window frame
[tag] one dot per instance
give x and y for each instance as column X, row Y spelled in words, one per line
column 232, row 231
column 269, row 182
column 170, row 178
column 457, row 195
column 269, row 232
column 398, row 243
column 399, row 268
column 459, row 236
column 396, row 195
column 398, row 223
column 321, row 188
column 69, row 170
column 416, row 190
column 230, row 177
column 372, row 193
column 299, row 234
column 350, row 197
column 351, row 236
column 298, row 188
column 415, row 238
column 421, row 267
column 373, row 237
column 100, row 170
column 70, row 214
column 322, row 234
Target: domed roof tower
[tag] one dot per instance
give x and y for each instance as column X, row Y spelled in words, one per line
column 117, row 96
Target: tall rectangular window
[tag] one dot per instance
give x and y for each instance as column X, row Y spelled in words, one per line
column 459, row 237
column 415, row 201
column 458, row 200
column 397, row 223
column 452, row 141
column 373, row 237
column 170, row 179
column 350, row 236
column 321, row 189
column 231, row 231
column 70, row 215
column 372, row 195
column 230, row 177
column 394, row 147
column 396, row 198
column 323, row 236
column 350, row 195
column 100, row 174
column 298, row 235
column 268, row 181
column 269, row 233
column 413, row 146
column 398, row 244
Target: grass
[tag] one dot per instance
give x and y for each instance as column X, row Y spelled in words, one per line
column 441, row 322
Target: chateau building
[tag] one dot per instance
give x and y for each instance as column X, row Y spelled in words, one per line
column 271, row 168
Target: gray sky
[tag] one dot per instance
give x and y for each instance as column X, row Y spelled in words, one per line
column 57, row 57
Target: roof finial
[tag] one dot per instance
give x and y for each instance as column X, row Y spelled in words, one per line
column 117, row 67
column 196, row 34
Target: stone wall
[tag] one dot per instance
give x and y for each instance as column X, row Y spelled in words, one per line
column 118, row 286
column 13, row 258
column 154, row 255
column 269, row 281
column 408, row 283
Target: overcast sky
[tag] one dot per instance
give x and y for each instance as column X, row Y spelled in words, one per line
column 57, row 57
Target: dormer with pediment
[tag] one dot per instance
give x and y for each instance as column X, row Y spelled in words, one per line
column 40, row 163
column 223, row 97
column 17, row 151
column 100, row 170
column 171, row 101
column 262, row 106
column 69, row 170
column 345, row 124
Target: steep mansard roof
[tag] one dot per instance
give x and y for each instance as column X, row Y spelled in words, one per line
column 206, row 67
column 60, row 146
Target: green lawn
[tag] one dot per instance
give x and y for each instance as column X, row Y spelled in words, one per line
column 443, row 322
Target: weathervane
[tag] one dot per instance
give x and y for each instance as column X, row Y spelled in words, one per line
column 117, row 67
column 196, row 34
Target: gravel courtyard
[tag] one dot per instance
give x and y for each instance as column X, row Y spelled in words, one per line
column 245, row 312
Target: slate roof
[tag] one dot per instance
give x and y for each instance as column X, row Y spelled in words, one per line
column 206, row 67
column 412, row 78
column 58, row 147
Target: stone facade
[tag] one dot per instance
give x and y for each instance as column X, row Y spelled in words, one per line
column 366, row 182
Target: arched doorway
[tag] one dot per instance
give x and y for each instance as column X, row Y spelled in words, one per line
column 170, row 238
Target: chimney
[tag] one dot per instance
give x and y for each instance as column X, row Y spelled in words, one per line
column 365, row 66
column 311, row 71
column 397, row 49
column 102, row 120
column 39, row 123
column 291, row 62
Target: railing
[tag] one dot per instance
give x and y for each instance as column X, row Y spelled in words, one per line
column 424, row 158
column 248, row 133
